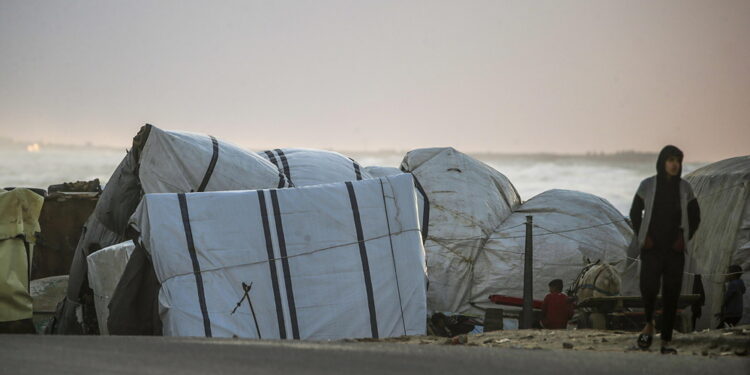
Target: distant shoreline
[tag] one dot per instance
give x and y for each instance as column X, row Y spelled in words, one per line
column 617, row 156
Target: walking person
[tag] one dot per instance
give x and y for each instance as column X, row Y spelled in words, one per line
column 662, row 233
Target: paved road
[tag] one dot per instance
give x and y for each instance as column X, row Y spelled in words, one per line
column 183, row 356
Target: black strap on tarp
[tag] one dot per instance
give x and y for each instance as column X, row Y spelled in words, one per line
column 357, row 169
column 282, row 177
column 285, row 165
column 425, row 209
column 196, row 265
column 272, row 264
column 285, row 264
column 393, row 255
column 211, row 164
column 363, row 256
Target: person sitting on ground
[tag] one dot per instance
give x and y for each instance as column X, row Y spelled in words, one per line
column 557, row 308
column 731, row 310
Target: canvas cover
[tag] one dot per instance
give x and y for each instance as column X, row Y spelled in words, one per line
column 569, row 228
column 105, row 267
column 321, row 262
column 376, row 171
column 160, row 161
column 19, row 223
column 468, row 200
column 723, row 237
column 306, row 167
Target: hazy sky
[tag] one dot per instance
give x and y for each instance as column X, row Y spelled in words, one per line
column 502, row 76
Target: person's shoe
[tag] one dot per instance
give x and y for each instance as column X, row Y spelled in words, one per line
column 644, row 341
column 668, row 350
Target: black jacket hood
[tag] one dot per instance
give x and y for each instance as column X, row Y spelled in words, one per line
column 665, row 153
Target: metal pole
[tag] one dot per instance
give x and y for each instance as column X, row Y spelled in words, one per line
column 528, row 290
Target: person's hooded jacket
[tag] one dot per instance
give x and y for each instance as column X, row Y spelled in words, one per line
column 672, row 214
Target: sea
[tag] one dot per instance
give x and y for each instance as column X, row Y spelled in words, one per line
column 613, row 177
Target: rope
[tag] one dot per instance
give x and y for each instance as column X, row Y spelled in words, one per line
column 393, row 256
column 533, row 235
column 204, row 270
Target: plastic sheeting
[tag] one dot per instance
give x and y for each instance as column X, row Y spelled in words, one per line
column 19, row 223
column 105, row 269
column 306, row 167
column 468, row 200
column 376, row 171
column 324, row 262
column 723, row 237
column 160, row 162
column 570, row 227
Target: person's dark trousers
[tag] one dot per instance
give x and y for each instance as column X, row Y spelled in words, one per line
column 662, row 269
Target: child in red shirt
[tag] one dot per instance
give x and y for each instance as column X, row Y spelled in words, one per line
column 556, row 308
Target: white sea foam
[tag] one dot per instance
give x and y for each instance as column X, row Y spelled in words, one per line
column 610, row 178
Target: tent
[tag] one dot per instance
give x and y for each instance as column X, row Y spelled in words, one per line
column 319, row 262
column 377, row 171
column 569, row 228
column 305, row 167
column 160, row 161
column 468, row 200
column 723, row 238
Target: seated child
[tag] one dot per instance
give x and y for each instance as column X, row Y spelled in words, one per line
column 556, row 308
column 731, row 310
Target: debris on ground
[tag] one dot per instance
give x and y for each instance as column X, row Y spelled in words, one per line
column 712, row 343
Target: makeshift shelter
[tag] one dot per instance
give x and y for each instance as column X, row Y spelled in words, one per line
column 468, row 200
column 306, row 167
column 159, row 162
column 723, row 237
column 19, row 224
column 569, row 228
column 105, row 267
column 376, row 171
column 320, row 262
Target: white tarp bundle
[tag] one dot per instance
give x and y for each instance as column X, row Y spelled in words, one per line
column 569, row 227
column 306, row 167
column 468, row 200
column 376, row 171
column 723, row 237
column 160, row 161
column 324, row 262
column 105, row 269
column 183, row 162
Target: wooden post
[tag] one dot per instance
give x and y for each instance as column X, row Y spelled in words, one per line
column 527, row 316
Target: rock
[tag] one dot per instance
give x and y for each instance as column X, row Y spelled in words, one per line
column 740, row 351
column 704, row 353
column 459, row 340
column 604, row 340
column 567, row 345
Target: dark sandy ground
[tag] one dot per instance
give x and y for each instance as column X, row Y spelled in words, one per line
column 711, row 343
